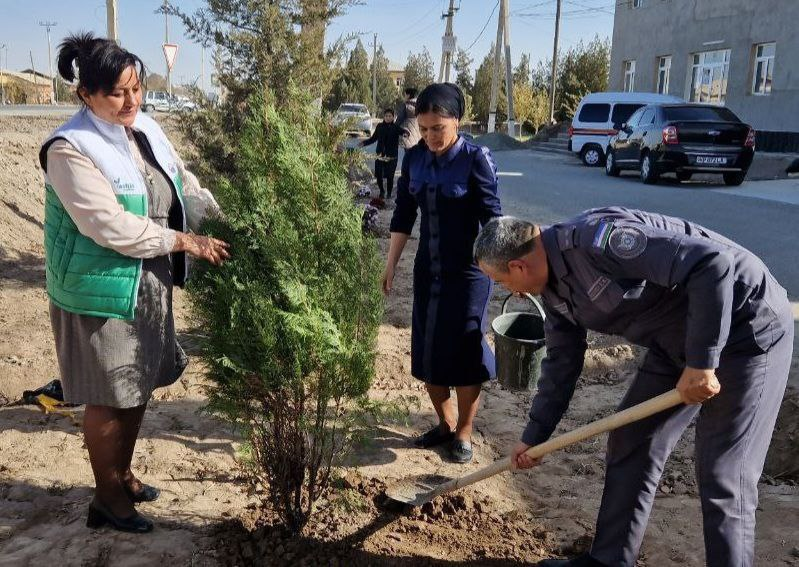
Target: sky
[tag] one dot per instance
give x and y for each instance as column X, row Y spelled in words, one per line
column 402, row 26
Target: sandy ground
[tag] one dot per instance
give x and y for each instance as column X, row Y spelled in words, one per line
column 210, row 515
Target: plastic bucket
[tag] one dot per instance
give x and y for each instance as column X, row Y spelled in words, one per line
column 519, row 346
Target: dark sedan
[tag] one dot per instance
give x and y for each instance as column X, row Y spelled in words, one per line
column 683, row 139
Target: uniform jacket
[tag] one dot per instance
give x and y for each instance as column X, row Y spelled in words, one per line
column 660, row 282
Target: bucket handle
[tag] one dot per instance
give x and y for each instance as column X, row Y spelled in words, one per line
column 531, row 298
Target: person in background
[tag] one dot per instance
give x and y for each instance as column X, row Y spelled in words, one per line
column 406, row 119
column 387, row 135
column 119, row 206
column 454, row 184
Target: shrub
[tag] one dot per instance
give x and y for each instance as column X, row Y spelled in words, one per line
column 291, row 319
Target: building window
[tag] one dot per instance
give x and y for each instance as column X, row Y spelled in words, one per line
column 664, row 70
column 709, row 75
column 629, row 76
column 637, row 3
column 764, row 68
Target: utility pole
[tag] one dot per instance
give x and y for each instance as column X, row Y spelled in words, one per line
column 374, row 75
column 49, row 25
column 492, row 108
column 448, row 42
column 2, row 75
column 111, row 19
column 554, row 67
column 166, row 40
column 33, row 78
column 508, row 69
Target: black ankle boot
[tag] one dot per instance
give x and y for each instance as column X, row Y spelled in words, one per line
column 584, row 560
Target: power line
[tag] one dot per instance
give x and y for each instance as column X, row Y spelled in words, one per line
column 491, row 15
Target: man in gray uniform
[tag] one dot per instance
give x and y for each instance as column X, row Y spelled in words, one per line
column 717, row 326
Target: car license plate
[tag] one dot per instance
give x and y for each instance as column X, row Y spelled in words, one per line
column 711, row 160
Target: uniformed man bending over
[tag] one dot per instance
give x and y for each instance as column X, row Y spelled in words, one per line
column 717, row 326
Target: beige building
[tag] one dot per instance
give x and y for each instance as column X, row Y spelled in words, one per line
column 397, row 75
column 25, row 88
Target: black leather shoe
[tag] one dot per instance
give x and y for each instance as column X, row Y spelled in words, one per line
column 584, row 560
column 146, row 494
column 433, row 438
column 99, row 516
column 460, row 451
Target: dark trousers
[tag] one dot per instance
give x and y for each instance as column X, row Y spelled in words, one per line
column 733, row 432
column 384, row 170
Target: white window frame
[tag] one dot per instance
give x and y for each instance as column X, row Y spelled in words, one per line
column 709, row 79
column 664, row 74
column 629, row 76
column 763, row 68
column 636, row 3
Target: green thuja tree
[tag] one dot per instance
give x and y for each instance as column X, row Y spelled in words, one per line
column 291, row 319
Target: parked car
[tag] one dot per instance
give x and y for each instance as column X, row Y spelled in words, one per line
column 159, row 100
column 683, row 139
column 355, row 116
column 599, row 117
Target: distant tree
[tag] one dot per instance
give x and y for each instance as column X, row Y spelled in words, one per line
column 387, row 94
column 581, row 70
column 419, row 70
column 522, row 73
column 354, row 82
column 481, row 93
column 584, row 70
column 156, row 82
column 463, row 70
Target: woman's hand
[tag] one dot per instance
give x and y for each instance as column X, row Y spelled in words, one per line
column 206, row 248
column 388, row 279
column 518, row 460
column 698, row 385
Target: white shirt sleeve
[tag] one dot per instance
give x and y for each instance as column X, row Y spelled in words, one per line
column 199, row 202
column 90, row 201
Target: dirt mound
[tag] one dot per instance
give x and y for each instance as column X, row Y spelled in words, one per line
column 497, row 142
column 361, row 526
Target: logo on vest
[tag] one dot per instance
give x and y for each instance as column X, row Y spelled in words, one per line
column 123, row 187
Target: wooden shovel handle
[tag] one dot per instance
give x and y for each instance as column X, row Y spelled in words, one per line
column 635, row 413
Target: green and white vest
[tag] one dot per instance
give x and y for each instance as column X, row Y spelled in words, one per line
column 82, row 276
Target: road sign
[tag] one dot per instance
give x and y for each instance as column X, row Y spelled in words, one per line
column 170, row 52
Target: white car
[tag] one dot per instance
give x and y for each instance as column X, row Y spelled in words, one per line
column 159, row 100
column 355, row 116
column 599, row 117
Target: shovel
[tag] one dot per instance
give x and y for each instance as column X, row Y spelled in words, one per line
column 417, row 492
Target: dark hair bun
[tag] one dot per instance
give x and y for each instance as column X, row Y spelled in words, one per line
column 72, row 48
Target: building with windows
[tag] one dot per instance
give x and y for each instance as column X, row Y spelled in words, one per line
column 739, row 53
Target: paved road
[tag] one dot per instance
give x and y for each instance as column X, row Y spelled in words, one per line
column 761, row 216
column 37, row 110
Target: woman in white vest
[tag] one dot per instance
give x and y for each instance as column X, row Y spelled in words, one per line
column 119, row 208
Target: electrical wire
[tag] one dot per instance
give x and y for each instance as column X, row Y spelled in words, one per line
column 491, row 15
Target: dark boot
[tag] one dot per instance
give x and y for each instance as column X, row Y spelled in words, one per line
column 584, row 560
column 389, row 186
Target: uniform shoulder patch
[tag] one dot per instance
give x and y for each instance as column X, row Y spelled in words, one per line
column 602, row 234
column 627, row 242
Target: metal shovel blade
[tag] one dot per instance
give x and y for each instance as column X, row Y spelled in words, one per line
column 416, row 491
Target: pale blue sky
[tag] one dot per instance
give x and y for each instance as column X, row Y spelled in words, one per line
column 401, row 25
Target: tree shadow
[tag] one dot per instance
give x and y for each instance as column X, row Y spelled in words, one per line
column 24, row 270
column 23, row 215
column 163, row 420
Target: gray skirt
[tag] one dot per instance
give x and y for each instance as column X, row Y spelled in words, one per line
column 118, row 363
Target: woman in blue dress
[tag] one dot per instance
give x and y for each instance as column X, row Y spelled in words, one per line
column 454, row 184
